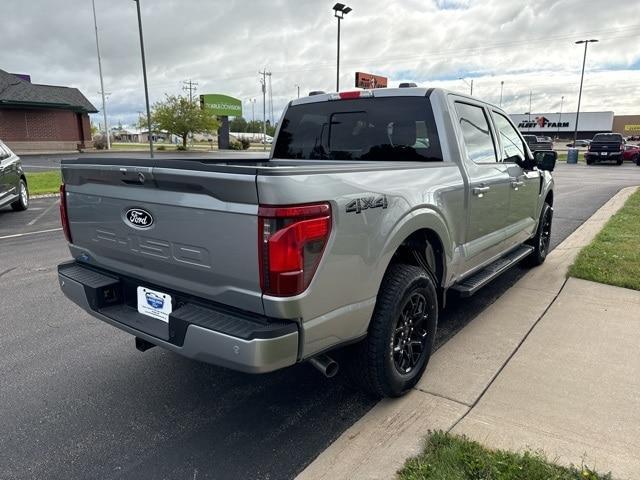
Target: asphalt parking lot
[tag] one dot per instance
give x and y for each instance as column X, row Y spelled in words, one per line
column 78, row 401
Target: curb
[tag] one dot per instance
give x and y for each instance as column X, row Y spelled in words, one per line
column 459, row 373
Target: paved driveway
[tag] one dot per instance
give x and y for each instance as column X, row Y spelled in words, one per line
column 78, row 401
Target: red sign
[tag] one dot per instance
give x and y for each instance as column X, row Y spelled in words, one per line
column 368, row 80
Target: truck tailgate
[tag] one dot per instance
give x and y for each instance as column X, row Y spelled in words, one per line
column 195, row 231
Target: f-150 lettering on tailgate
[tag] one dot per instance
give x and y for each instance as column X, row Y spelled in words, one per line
column 153, row 247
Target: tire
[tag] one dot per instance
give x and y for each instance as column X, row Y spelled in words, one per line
column 589, row 161
column 541, row 241
column 638, row 160
column 407, row 300
column 619, row 161
column 23, row 199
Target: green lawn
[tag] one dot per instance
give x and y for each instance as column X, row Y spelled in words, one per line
column 614, row 255
column 450, row 457
column 43, row 182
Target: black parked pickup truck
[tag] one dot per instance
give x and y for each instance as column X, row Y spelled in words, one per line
column 605, row 147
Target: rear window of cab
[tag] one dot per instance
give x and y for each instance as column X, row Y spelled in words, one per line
column 367, row 129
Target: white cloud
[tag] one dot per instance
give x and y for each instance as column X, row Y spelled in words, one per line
column 222, row 45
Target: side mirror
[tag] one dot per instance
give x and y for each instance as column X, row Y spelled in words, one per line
column 545, row 159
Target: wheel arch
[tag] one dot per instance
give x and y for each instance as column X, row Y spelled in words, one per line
column 423, row 240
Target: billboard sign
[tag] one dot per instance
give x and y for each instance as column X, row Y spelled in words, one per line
column 369, row 80
column 221, row 105
column 565, row 122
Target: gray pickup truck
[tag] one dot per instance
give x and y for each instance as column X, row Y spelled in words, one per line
column 372, row 205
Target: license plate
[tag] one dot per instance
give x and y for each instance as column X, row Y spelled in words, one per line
column 604, row 154
column 154, row 304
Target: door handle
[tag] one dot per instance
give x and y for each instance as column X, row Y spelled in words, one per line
column 516, row 183
column 480, row 191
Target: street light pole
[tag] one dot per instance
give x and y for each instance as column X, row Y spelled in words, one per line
column 253, row 114
column 501, row 88
column 584, row 61
column 470, row 85
column 104, row 102
column 144, row 76
column 560, row 117
column 340, row 10
column 529, row 128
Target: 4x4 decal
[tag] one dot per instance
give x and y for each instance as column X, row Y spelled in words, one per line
column 364, row 203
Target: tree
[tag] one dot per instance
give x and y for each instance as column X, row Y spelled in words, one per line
column 238, row 124
column 179, row 116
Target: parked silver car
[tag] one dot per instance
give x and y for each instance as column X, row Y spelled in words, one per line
column 13, row 182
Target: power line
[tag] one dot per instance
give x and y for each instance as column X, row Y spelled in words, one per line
column 190, row 87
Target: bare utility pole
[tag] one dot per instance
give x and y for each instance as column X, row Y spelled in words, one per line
column 263, row 83
column 190, row 87
column 104, row 102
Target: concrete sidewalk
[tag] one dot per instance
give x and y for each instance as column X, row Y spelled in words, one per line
column 552, row 364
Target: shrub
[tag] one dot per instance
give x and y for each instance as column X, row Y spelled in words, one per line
column 245, row 143
column 161, row 147
column 181, row 148
column 100, row 142
column 235, row 145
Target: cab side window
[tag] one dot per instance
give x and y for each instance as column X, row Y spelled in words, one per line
column 512, row 145
column 476, row 133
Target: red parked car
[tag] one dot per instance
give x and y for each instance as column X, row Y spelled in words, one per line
column 632, row 153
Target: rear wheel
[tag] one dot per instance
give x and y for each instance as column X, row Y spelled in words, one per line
column 589, row 161
column 542, row 240
column 23, row 197
column 393, row 357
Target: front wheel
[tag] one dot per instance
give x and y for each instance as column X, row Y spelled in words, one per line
column 542, row 240
column 393, row 357
column 619, row 161
column 23, row 197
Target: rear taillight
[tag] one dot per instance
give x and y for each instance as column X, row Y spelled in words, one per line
column 291, row 242
column 64, row 218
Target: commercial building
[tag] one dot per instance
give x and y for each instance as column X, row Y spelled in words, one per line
column 627, row 125
column 562, row 125
column 37, row 117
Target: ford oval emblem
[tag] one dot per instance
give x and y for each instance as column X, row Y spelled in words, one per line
column 139, row 218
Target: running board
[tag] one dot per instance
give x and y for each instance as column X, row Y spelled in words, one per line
column 475, row 282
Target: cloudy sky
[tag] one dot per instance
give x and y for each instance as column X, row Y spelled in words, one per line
column 221, row 45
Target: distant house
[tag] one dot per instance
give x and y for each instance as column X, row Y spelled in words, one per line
column 37, row 117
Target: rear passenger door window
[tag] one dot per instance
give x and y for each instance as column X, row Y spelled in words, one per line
column 512, row 146
column 476, row 133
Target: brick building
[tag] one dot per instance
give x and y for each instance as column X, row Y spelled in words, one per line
column 37, row 117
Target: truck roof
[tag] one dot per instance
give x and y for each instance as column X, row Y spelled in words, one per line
column 380, row 93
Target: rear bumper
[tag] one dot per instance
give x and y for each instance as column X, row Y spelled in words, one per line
column 599, row 156
column 196, row 330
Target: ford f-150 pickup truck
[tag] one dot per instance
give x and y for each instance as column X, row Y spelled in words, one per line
column 372, row 205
